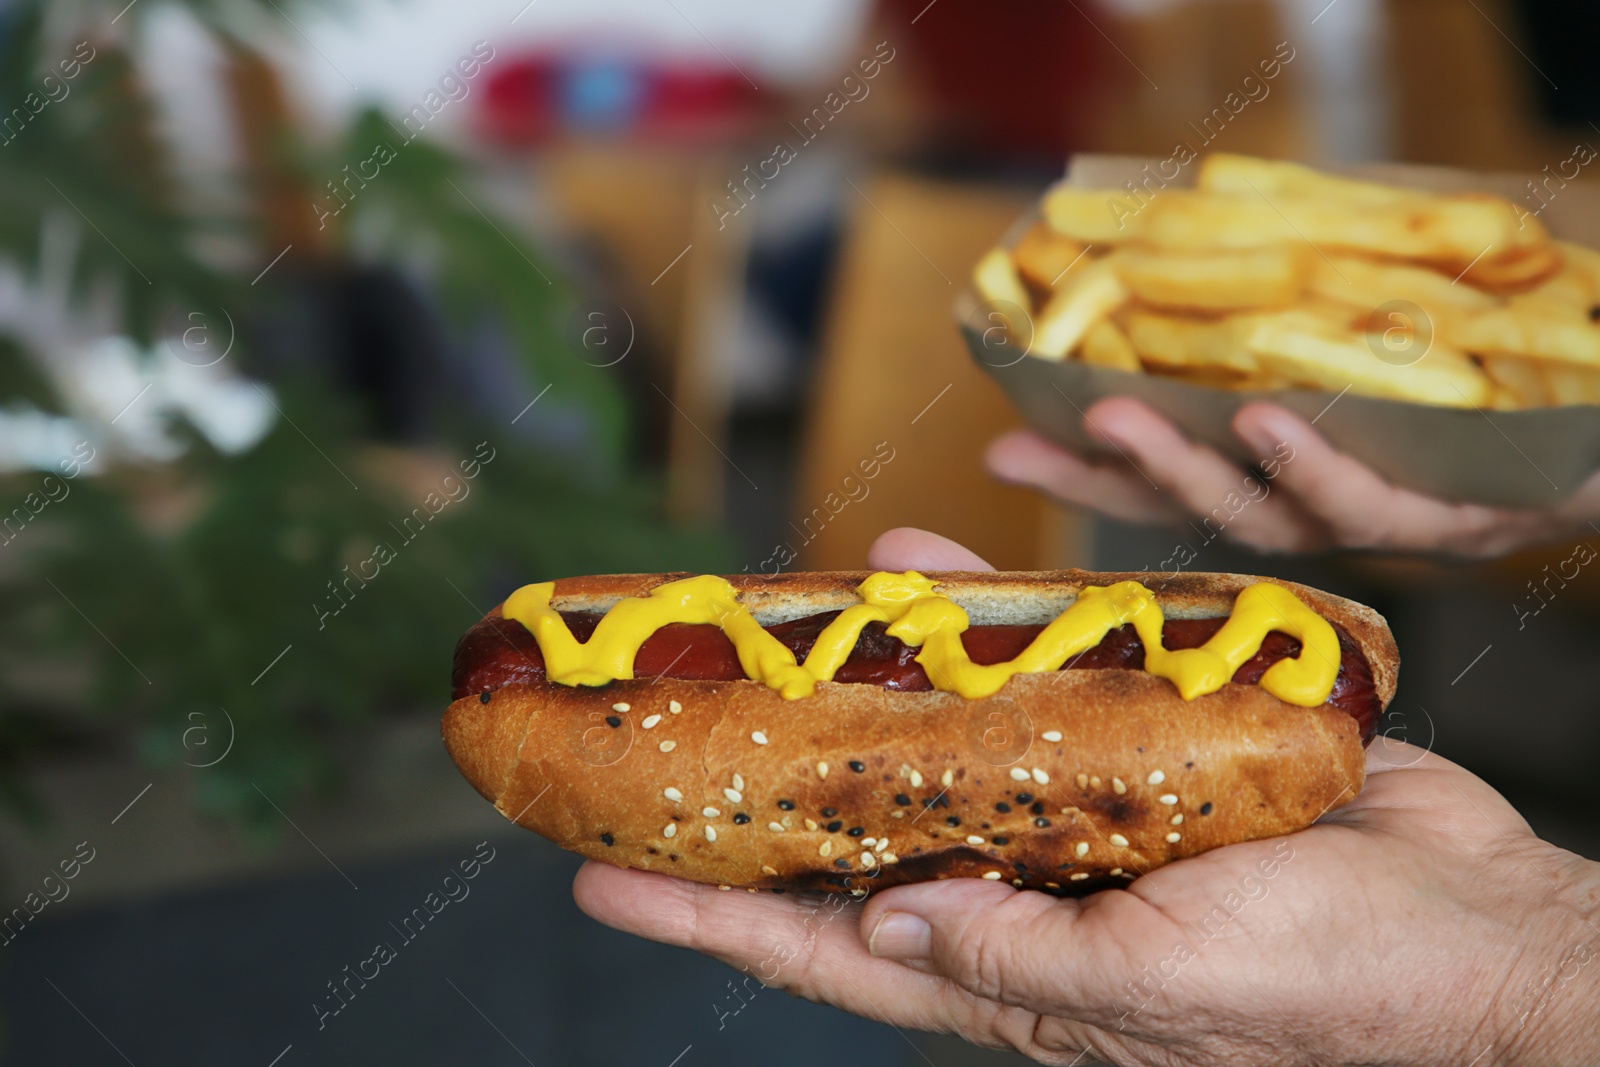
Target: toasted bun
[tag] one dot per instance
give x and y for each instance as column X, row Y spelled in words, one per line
column 925, row 771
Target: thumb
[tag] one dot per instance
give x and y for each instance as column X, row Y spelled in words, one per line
column 1067, row 958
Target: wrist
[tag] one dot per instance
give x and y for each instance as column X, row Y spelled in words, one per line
column 1553, row 1012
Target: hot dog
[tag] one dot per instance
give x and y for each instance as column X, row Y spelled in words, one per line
column 1062, row 731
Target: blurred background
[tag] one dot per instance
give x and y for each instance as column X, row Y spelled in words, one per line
column 325, row 325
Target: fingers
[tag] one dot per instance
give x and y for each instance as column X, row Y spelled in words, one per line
column 909, row 549
column 792, row 942
column 1363, row 510
column 1224, row 498
column 1053, row 957
column 1023, row 458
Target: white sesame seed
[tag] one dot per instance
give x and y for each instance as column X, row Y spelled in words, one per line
column 1081, row 849
column 1174, row 837
column 868, row 860
column 775, row 827
column 947, row 779
column 750, row 889
column 993, row 876
column 758, row 737
column 768, row 870
column 826, row 849
column 1017, row 882
column 725, row 888
column 711, row 834
column 1041, row 777
column 1156, row 777
column 811, row 824
column 1177, row 820
column 1094, row 780
column 650, row 720
column 1168, row 798
column 1071, row 809
column 1051, row 736
column 888, row 858
column 670, row 830
column 1052, row 885
column 668, row 746
column 620, row 707
column 1127, row 874
column 733, row 795
column 883, row 843
column 1118, row 840
column 1080, row 876
column 868, row 842
column 916, row 779
column 674, row 707
column 897, row 813
column 1118, row 786
column 672, row 794
column 710, row 813
column 1018, row 774
column 738, row 781
column 974, row 839
column 822, row 770
column 1116, row 870
column 858, row 893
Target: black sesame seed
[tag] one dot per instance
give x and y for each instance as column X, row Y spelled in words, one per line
column 1020, row 866
column 652, row 851
column 857, row 766
column 1002, row 807
column 672, row 857
column 828, row 813
column 608, row 840
column 778, row 891
column 929, row 802
column 613, row 721
column 786, row 805
column 833, row 827
column 1041, row 823
column 1205, row 809
column 1038, row 807
column 844, row 864
column 875, row 872
column 942, row 800
column 483, row 697
column 740, row 818
column 856, row 831
column 901, row 799
column 953, row 821
column 1594, row 314
column 1190, row 765
column 1024, row 798
column 1001, row 840
column 834, row 879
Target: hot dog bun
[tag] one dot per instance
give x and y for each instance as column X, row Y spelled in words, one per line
column 1068, row 780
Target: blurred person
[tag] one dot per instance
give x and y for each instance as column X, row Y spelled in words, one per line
column 1322, row 500
column 1424, row 923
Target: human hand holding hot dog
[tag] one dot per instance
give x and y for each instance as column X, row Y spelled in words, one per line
column 1318, row 499
column 1422, row 923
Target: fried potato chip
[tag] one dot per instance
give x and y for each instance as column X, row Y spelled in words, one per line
column 1214, row 281
column 1515, row 271
column 1224, row 172
column 1092, row 216
column 1176, row 343
column 1532, row 328
column 1044, row 256
column 996, row 278
column 1441, row 230
column 1367, row 284
column 1107, row 346
column 1572, row 385
column 1085, row 296
column 1304, row 348
column 1519, row 382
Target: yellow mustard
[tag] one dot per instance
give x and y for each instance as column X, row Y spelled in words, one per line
column 922, row 618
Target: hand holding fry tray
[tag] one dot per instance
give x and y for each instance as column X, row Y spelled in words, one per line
column 1441, row 341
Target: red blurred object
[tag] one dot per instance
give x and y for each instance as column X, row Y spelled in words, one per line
column 536, row 96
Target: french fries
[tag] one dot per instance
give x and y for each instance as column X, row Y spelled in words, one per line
column 1272, row 275
column 1214, row 281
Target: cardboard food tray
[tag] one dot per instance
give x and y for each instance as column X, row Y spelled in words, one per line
column 1527, row 459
